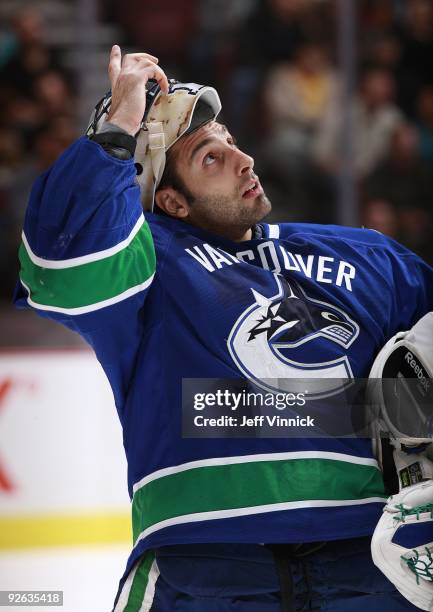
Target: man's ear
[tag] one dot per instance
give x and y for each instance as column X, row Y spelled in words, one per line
column 172, row 202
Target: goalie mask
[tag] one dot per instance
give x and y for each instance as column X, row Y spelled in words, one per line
column 168, row 117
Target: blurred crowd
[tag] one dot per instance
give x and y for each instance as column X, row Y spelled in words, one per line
column 37, row 122
column 275, row 64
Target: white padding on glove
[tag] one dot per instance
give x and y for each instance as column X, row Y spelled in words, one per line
column 400, row 389
column 402, row 543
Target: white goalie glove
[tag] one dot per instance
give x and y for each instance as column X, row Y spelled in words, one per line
column 401, row 390
column 402, row 543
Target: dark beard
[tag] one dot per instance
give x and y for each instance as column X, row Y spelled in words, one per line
column 224, row 216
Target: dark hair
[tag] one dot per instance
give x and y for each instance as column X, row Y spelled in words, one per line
column 203, row 113
column 171, row 178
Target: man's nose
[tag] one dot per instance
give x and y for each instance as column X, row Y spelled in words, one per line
column 244, row 162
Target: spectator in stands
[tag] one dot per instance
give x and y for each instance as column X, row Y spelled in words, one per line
column 415, row 68
column 165, row 26
column 52, row 92
column 297, row 96
column 375, row 117
column 35, row 127
column 407, row 183
column 31, row 55
column 384, row 50
column 376, row 16
column 272, row 33
column 402, row 178
column 214, row 44
column 417, row 231
column 381, row 215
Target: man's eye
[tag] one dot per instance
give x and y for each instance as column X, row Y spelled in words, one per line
column 209, row 159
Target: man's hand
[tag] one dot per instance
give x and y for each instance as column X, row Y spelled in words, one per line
column 128, row 87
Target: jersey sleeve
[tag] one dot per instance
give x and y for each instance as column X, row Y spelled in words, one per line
column 87, row 257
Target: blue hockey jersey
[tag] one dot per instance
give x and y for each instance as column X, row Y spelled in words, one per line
column 160, row 301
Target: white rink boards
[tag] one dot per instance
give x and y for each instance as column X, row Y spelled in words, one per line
column 64, row 507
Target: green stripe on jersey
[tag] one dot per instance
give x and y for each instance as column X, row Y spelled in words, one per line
column 140, row 583
column 89, row 283
column 253, row 484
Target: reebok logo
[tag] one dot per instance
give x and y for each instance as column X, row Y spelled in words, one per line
column 418, row 370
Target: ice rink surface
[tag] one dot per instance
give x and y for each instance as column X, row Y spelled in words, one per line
column 88, row 577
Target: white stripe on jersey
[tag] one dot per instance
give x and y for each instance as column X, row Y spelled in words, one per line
column 274, row 231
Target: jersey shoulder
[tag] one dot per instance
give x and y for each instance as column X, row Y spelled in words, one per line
column 338, row 233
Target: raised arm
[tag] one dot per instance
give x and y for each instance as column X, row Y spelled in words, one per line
column 87, row 255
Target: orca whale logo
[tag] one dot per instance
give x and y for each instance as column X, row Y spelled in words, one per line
column 271, row 338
